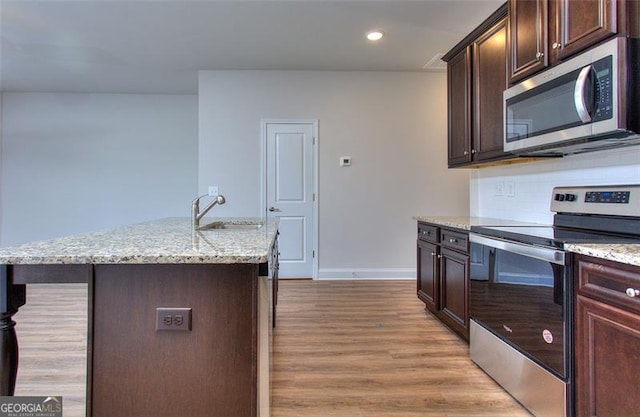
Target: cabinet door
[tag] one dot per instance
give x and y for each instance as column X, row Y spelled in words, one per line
column 583, row 23
column 489, row 81
column 527, row 41
column 428, row 274
column 454, row 299
column 459, row 90
column 607, row 348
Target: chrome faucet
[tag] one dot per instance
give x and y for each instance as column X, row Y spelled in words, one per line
column 196, row 214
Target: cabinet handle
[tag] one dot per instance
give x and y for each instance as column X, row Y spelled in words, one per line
column 473, row 151
column 433, row 254
column 539, row 55
column 439, row 256
column 556, row 45
column 633, row 293
column 465, row 153
column 452, row 240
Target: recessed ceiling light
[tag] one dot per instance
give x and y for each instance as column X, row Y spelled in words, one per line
column 375, row 35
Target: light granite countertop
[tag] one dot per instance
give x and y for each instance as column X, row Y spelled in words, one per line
column 465, row 222
column 164, row 241
column 624, row 253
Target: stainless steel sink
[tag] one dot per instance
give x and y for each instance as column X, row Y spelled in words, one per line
column 231, row 226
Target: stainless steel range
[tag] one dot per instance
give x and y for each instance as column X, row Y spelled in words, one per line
column 521, row 292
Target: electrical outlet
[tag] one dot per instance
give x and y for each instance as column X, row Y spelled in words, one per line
column 498, row 191
column 510, row 188
column 173, row 319
column 213, row 191
column 345, row 161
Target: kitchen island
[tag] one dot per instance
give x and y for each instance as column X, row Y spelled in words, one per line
column 217, row 364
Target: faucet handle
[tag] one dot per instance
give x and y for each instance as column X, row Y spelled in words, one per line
column 197, row 199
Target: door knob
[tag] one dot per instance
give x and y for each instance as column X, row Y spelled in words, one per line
column 273, row 209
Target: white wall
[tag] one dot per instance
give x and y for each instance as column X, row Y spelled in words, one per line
column 1, row 162
column 392, row 124
column 534, row 182
column 74, row 163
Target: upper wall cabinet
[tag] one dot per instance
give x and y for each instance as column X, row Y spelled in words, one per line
column 581, row 24
column 528, row 29
column 489, row 81
column 459, row 111
column 543, row 32
column 476, row 77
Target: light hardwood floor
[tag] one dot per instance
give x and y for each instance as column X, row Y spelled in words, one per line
column 341, row 348
column 368, row 348
column 52, row 338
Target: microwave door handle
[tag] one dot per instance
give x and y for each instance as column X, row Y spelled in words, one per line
column 579, row 94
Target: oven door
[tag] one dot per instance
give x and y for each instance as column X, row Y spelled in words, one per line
column 520, row 294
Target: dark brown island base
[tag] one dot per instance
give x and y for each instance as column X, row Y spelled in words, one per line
column 207, row 355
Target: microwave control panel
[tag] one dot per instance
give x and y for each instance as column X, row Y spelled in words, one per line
column 603, row 90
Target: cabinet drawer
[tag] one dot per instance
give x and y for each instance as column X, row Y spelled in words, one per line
column 455, row 240
column 428, row 233
column 617, row 284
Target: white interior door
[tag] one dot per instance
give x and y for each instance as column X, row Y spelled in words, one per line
column 290, row 149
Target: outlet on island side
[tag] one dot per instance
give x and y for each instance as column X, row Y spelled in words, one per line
column 173, row 319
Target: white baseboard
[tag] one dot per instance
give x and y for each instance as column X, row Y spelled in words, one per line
column 363, row 273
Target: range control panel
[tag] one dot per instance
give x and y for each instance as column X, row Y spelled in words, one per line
column 618, row 200
column 621, row 197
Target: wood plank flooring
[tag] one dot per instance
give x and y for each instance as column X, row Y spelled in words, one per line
column 341, row 348
column 368, row 348
column 52, row 338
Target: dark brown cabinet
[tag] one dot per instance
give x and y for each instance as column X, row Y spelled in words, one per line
column 544, row 32
column 607, row 338
column 443, row 275
column 527, row 44
column 428, row 274
column 489, row 81
column 476, row 78
column 459, row 110
column 454, row 276
column 581, row 24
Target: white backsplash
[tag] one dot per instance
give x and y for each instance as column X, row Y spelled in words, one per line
column 533, row 182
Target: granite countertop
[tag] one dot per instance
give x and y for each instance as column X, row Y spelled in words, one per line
column 624, row 253
column 465, row 222
column 164, row 241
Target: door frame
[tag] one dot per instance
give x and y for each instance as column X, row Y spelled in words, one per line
column 263, row 180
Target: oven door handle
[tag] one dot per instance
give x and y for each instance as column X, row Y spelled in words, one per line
column 544, row 254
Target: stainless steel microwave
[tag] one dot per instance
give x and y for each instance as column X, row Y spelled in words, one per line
column 589, row 102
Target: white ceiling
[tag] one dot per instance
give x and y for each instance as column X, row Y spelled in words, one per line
column 157, row 46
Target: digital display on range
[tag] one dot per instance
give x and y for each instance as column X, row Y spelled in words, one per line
column 620, row 197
